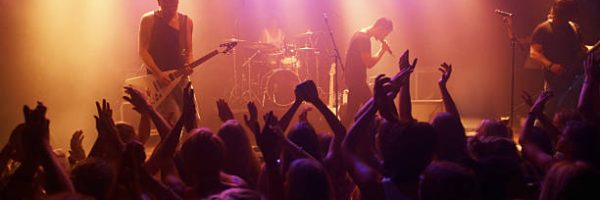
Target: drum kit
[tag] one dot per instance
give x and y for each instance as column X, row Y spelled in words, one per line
column 269, row 73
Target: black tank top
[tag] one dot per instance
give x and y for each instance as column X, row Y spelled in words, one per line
column 165, row 47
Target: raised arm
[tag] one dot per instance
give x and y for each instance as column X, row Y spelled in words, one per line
column 224, row 110
column 449, row 104
column 137, row 99
column 530, row 149
column 76, row 153
column 384, row 103
column 547, row 125
column 287, row 117
column 405, row 107
column 270, row 141
column 108, row 144
column 363, row 174
column 165, row 150
column 38, row 134
column 307, row 90
column 589, row 92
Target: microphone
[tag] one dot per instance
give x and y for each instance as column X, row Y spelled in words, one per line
column 389, row 50
column 503, row 13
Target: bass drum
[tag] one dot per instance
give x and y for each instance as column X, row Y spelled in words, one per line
column 279, row 85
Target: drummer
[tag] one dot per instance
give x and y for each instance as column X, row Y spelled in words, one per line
column 273, row 34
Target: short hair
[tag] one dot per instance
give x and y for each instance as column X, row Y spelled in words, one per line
column 565, row 8
column 203, row 151
column 384, row 23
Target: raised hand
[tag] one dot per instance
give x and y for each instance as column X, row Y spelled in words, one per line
column 307, row 91
column 270, row 140
column 224, row 110
column 76, row 153
column 36, row 126
column 104, row 120
column 107, row 131
column 252, row 121
column 137, row 99
column 37, row 135
column 540, row 102
column 403, row 61
column 379, row 90
column 384, row 103
column 446, row 70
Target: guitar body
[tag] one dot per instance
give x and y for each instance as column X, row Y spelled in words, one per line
column 566, row 86
column 156, row 93
column 149, row 85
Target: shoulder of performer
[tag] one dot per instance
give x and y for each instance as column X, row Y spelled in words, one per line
column 147, row 17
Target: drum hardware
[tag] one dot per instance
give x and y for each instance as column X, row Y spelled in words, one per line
column 263, row 47
column 269, row 75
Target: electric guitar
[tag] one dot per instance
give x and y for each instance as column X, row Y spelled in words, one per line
column 155, row 92
column 571, row 79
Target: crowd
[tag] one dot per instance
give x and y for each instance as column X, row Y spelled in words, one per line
column 384, row 154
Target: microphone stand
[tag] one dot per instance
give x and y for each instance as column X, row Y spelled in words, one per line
column 513, row 43
column 338, row 62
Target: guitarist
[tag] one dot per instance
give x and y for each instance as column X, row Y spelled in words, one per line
column 165, row 43
column 557, row 45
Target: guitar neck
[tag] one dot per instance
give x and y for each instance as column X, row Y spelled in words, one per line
column 203, row 59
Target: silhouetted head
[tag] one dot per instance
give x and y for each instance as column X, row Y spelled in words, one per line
column 307, row 180
column 447, row 180
column 580, row 141
column 571, row 180
column 202, row 155
column 564, row 10
column 481, row 147
column 406, row 149
column 540, row 138
column 93, row 177
column 451, row 139
column 500, row 177
column 324, row 142
column 490, row 127
column 561, row 118
column 126, row 131
column 304, row 135
column 240, row 160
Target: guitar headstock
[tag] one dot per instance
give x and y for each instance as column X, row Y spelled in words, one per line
column 228, row 46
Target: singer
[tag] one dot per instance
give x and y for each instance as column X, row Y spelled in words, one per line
column 359, row 58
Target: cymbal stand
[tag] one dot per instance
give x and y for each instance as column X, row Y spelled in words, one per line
column 249, row 94
column 338, row 62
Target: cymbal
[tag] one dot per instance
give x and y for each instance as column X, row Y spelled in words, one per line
column 306, row 49
column 305, row 34
column 234, row 40
column 261, row 46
